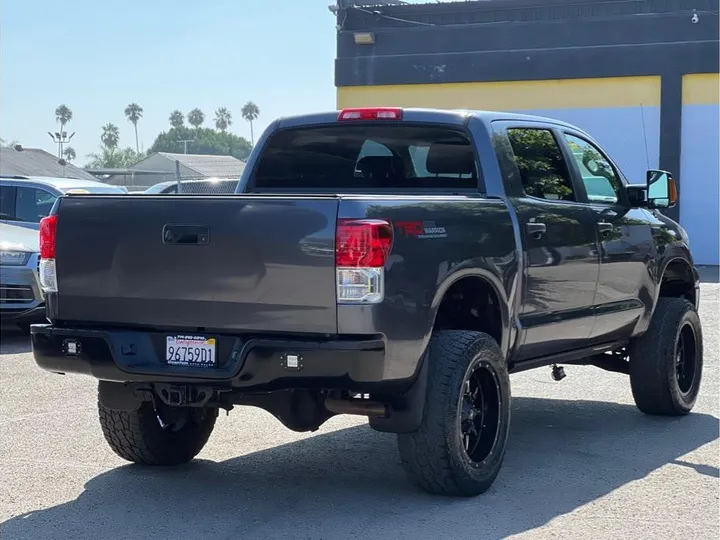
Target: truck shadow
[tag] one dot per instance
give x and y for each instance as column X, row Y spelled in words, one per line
column 349, row 483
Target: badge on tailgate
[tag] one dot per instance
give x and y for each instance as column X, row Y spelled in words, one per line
column 190, row 351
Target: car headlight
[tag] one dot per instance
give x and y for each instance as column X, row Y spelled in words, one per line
column 14, row 258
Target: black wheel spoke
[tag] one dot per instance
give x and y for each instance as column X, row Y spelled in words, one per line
column 479, row 413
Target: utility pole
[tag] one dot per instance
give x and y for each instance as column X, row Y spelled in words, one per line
column 60, row 138
column 185, row 143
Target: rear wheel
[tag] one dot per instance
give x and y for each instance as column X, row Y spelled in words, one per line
column 460, row 445
column 666, row 361
column 168, row 436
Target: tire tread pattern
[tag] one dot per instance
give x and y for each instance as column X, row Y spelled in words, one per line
column 426, row 453
column 137, row 436
column 652, row 376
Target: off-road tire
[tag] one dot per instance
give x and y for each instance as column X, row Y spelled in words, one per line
column 434, row 456
column 138, row 436
column 653, row 356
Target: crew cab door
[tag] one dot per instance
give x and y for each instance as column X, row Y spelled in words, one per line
column 558, row 238
column 625, row 289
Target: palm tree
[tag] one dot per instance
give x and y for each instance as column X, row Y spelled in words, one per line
column 63, row 115
column 110, row 137
column 223, row 119
column 177, row 119
column 250, row 112
column 69, row 153
column 134, row 112
column 196, row 117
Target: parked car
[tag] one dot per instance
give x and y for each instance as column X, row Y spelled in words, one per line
column 21, row 298
column 24, row 201
column 395, row 264
column 206, row 186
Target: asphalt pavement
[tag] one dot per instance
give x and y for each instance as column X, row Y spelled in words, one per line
column 582, row 462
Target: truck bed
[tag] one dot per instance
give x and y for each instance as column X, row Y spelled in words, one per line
column 220, row 263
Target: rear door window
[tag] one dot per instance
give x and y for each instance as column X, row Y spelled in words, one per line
column 32, row 204
column 7, row 202
column 539, row 159
column 357, row 157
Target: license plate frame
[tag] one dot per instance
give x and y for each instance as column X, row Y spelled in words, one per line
column 191, row 351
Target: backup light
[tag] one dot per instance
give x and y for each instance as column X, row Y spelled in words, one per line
column 362, row 247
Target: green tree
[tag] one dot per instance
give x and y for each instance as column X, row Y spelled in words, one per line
column 177, row 119
column 118, row 158
column 63, row 115
column 69, row 153
column 134, row 113
column 223, row 119
column 196, row 118
column 110, row 137
column 206, row 141
column 250, row 112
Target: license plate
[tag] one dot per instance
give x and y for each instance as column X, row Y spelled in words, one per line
column 190, row 351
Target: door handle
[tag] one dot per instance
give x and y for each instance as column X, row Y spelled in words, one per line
column 193, row 235
column 605, row 228
column 535, row 229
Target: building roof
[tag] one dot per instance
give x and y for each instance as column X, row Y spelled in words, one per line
column 37, row 162
column 206, row 165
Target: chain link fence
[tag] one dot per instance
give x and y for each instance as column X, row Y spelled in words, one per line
column 219, row 180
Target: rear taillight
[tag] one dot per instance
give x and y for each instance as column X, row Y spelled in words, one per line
column 362, row 247
column 371, row 113
column 47, row 270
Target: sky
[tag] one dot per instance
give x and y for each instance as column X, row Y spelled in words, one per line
column 98, row 56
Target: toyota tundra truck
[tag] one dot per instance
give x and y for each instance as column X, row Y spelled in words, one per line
column 396, row 264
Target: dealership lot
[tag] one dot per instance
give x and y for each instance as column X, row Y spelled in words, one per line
column 582, row 461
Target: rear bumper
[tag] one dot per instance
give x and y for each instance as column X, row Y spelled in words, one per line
column 244, row 362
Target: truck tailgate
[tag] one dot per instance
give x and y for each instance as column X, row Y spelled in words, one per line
column 236, row 262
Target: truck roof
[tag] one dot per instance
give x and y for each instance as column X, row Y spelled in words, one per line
column 444, row 116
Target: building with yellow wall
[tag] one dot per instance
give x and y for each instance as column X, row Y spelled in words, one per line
column 641, row 76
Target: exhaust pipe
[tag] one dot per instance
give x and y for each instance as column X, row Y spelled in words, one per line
column 356, row 406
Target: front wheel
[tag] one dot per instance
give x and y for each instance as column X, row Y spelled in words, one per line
column 168, row 436
column 666, row 361
column 460, row 445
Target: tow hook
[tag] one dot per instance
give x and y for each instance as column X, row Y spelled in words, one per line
column 558, row 372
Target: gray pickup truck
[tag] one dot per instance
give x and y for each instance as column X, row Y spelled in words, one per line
column 395, row 264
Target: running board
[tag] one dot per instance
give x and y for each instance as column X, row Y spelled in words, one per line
column 586, row 356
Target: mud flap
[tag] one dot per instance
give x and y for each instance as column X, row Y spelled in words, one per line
column 406, row 415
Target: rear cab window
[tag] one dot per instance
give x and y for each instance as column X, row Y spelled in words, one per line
column 342, row 157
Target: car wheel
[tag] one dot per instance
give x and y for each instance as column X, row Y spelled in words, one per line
column 460, row 445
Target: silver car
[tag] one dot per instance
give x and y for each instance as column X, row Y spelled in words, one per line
column 21, row 299
column 24, row 201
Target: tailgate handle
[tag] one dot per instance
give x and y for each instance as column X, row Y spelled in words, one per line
column 189, row 235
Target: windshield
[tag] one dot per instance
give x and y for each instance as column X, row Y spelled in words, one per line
column 340, row 157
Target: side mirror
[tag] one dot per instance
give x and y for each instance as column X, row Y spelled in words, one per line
column 661, row 189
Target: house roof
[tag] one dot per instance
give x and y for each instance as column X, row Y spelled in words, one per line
column 37, row 162
column 208, row 165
